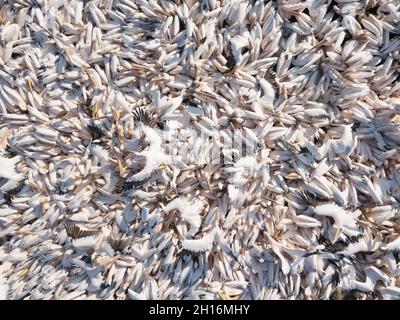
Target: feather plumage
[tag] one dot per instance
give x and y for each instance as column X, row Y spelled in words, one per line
column 198, row 245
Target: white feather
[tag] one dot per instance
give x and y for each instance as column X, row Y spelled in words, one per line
column 345, row 143
column 85, row 243
column 343, row 219
column 199, row 245
column 393, row 245
column 190, row 212
column 154, row 155
column 100, row 153
column 7, row 168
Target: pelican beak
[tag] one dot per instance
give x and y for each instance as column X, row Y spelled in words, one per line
column 121, row 167
column 116, row 114
column 30, row 85
column 337, row 233
column 96, row 109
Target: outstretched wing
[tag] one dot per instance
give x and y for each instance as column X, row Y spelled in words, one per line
column 75, row 232
column 119, row 245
